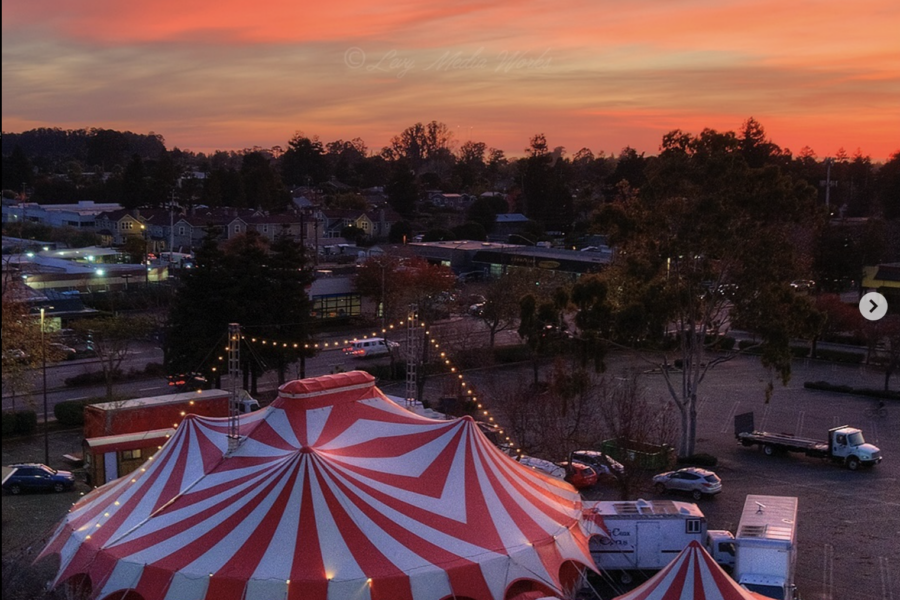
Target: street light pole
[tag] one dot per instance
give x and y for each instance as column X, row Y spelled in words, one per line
column 146, row 263
column 46, row 411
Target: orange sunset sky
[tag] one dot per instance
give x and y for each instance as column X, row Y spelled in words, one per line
column 229, row 74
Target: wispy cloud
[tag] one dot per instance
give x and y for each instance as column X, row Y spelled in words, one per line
column 228, row 74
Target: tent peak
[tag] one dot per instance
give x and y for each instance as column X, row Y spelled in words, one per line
column 326, row 385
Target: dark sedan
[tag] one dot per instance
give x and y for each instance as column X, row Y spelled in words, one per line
column 36, row 477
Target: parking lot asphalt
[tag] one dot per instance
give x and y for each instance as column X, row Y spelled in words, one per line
column 849, row 522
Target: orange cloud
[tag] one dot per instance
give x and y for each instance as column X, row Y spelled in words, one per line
column 227, row 74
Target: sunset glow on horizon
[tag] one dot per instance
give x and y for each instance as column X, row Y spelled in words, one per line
column 230, row 75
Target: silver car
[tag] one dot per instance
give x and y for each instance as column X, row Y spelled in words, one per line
column 695, row 481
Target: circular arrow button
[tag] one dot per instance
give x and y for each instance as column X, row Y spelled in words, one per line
column 873, row 306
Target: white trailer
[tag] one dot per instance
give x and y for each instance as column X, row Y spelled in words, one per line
column 640, row 535
column 766, row 546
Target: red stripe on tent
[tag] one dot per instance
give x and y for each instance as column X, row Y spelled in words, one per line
column 676, row 588
column 467, row 579
column 154, row 581
column 202, row 543
column 225, row 588
column 431, row 482
column 246, row 558
column 368, row 556
column 308, row 567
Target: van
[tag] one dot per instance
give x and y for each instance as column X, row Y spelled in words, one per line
column 370, row 347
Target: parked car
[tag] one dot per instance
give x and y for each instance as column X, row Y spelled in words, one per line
column 695, row 481
column 370, row 347
column 604, row 464
column 803, row 285
column 544, row 466
column 579, row 474
column 37, row 477
column 61, row 350
column 477, row 309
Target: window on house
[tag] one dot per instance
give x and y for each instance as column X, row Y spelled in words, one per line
column 181, row 230
column 237, row 228
column 692, row 526
column 131, row 454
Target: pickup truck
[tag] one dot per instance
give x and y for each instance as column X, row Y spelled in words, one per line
column 844, row 444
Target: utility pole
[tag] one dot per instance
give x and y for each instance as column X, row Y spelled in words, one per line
column 828, row 163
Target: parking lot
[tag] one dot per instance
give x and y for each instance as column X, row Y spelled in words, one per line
column 849, row 522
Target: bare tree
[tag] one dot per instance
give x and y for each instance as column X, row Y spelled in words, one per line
column 111, row 338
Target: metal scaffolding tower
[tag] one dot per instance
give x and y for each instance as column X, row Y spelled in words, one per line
column 234, row 372
column 413, row 354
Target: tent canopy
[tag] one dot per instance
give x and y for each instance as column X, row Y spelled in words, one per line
column 334, row 491
column 692, row 575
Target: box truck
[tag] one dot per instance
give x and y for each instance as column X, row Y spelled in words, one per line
column 640, row 536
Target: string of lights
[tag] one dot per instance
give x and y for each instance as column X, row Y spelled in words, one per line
column 483, row 412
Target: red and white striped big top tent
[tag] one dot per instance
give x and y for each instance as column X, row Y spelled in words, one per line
column 692, row 575
column 334, row 492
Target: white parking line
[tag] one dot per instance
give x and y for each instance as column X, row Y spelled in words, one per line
column 872, row 432
column 762, row 422
column 828, row 573
column 884, row 567
column 798, row 430
column 729, row 419
column 148, row 389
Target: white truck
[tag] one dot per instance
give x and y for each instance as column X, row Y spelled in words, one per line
column 766, row 546
column 640, row 536
column 844, row 444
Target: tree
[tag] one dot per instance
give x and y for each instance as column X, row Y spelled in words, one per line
column 420, row 143
column 21, row 338
column 501, row 305
column 396, row 283
column 534, row 319
column 545, row 192
column 111, row 338
column 258, row 285
column 402, row 190
column 305, row 163
column 704, row 245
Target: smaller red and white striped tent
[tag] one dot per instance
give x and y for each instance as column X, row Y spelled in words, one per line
column 693, row 575
column 335, row 492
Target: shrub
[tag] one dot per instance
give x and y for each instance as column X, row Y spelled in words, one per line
column 70, row 413
column 19, row 422
column 385, row 372
column 846, row 389
column 91, row 378
column 840, row 356
column 475, row 357
column 154, row 370
column 799, row 351
column 512, row 354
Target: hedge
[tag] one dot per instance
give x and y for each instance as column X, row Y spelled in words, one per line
column 70, row 413
column 846, row 389
column 92, row 378
column 512, row 354
column 840, row 356
column 19, row 422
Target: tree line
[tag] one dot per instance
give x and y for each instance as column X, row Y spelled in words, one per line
column 556, row 189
